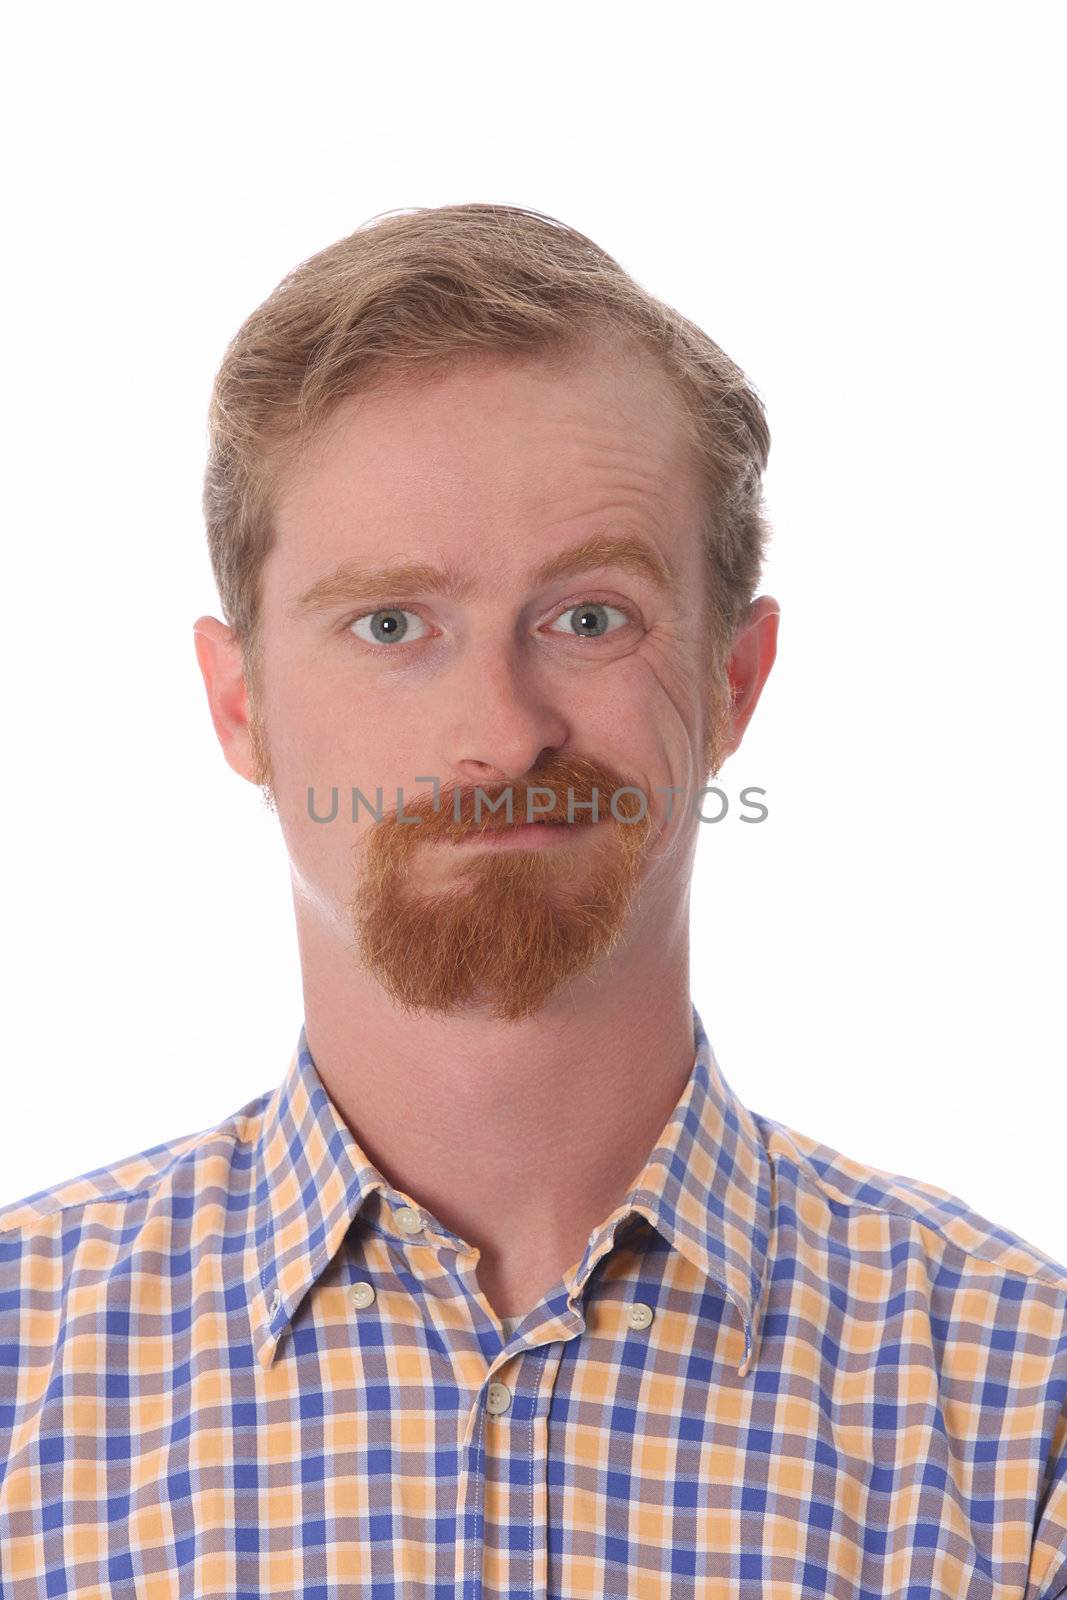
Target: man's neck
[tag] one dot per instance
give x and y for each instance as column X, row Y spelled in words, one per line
column 519, row 1137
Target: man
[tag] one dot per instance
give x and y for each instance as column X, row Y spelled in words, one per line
column 502, row 1291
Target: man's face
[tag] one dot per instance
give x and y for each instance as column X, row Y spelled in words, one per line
column 521, row 680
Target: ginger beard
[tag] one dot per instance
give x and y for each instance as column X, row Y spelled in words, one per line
column 443, row 925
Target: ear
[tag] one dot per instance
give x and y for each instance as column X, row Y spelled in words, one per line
column 751, row 660
column 219, row 653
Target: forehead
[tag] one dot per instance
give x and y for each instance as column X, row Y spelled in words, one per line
column 494, row 452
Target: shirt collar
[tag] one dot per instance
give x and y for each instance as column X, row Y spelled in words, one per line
column 706, row 1188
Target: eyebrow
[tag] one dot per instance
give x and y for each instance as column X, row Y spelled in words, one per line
column 352, row 581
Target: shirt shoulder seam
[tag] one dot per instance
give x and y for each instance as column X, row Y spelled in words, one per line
column 118, row 1196
column 1042, row 1273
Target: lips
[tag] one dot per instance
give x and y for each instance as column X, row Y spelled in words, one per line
column 531, row 834
column 518, row 827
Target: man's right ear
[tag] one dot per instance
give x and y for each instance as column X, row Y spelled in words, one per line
column 219, row 653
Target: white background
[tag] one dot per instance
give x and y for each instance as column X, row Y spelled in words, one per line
column 861, row 204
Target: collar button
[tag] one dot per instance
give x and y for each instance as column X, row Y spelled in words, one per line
column 408, row 1220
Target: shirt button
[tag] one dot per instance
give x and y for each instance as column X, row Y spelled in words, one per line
column 275, row 1303
column 499, row 1398
column 408, row 1220
column 640, row 1315
column 363, row 1296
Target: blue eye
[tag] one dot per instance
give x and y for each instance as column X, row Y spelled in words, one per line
column 387, row 626
column 589, row 620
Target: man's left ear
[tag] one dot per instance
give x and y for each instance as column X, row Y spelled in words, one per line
column 751, row 659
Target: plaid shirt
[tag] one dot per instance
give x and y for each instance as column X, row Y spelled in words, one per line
column 241, row 1364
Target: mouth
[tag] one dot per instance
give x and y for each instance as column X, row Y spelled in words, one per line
column 527, row 836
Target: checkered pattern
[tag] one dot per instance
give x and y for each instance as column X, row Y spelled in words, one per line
column 241, row 1364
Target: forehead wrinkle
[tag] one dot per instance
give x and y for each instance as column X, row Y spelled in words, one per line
column 634, row 466
column 630, row 496
column 649, row 472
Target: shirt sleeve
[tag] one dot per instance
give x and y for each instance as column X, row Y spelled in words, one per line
column 1048, row 1556
column 10, row 1351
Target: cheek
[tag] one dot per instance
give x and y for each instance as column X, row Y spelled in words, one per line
column 648, row 726
column 325, row 731
column 331, row 746
column 658, row 703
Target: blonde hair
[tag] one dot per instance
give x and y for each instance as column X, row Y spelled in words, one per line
column 415, row 292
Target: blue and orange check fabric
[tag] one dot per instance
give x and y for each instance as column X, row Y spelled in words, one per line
column 241, row 1364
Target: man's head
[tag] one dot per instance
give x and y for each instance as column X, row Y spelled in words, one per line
column 483, row 515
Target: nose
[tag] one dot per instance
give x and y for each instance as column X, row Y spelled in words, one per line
column 504, row 721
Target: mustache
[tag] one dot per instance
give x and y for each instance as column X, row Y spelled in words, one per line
column 491, row 807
